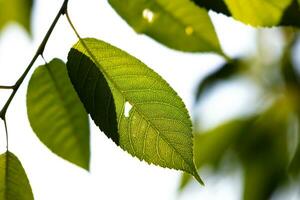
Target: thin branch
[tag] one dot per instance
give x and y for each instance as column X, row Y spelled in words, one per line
column 6, row 133
column 39, row 52
column 6, row 87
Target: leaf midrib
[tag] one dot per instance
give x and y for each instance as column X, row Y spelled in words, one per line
column 63, row 104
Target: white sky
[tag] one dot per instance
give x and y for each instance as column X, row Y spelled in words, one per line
column 114, row 173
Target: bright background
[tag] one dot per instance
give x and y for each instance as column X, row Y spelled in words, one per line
column 115, row 174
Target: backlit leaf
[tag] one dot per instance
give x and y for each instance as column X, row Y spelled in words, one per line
column 56, row 114
column 286, row 17
column 15, row 11
column 178, row 24
column 153, row 123
column 258, row 12
column 14, row 184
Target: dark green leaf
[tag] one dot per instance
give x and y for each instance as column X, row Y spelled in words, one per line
column 94, row 93
column 56, row 114
column 224, row 72
column 14, row 184
column 291, row 15
column 153, row 122
column 18, row 11
column 178, row 24
column 294, row 167
column 215, row 5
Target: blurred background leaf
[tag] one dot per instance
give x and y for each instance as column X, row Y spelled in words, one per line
column 178, row 24
column 264, row 141
column 17, row 11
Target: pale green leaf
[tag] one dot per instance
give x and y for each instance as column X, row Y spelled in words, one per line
column 56, row 114
column 14, row 184
column 178, row 24
column 153, row 122
column 18, row 11
column 258, row 12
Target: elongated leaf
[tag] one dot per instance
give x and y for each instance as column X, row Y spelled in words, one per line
column 178, row 24
column 153, row 122
column 56, row 114
column 15, row 11
column 258, row 12
column 14, row 184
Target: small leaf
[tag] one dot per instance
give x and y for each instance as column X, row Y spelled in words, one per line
column 14, row 184
column 224, row 72
column 153, row 122
column 16, row 11
column 178, row 24
column 258, row 12
column 56, row 114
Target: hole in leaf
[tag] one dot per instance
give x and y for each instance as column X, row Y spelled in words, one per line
column 127, row 109
column 148, row 15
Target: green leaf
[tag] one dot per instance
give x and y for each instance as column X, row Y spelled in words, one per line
column 294, row 167
column 16, row 11
column 291, row 15
column 258, row 12
column 178, row 24
column 14, row 184
column 263, row 151
column 211, row 146
column 223, row 73
column 95, row 94
column 153, row 122
column 216, row 5
column 56, row 114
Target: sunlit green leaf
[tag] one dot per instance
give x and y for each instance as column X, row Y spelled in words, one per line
column 288, row 16
column 153, row 122
column 56, row 114
column 211, row 146
column 18, row 11
column 258, row 12
column 178, row 24
column 14, row 184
